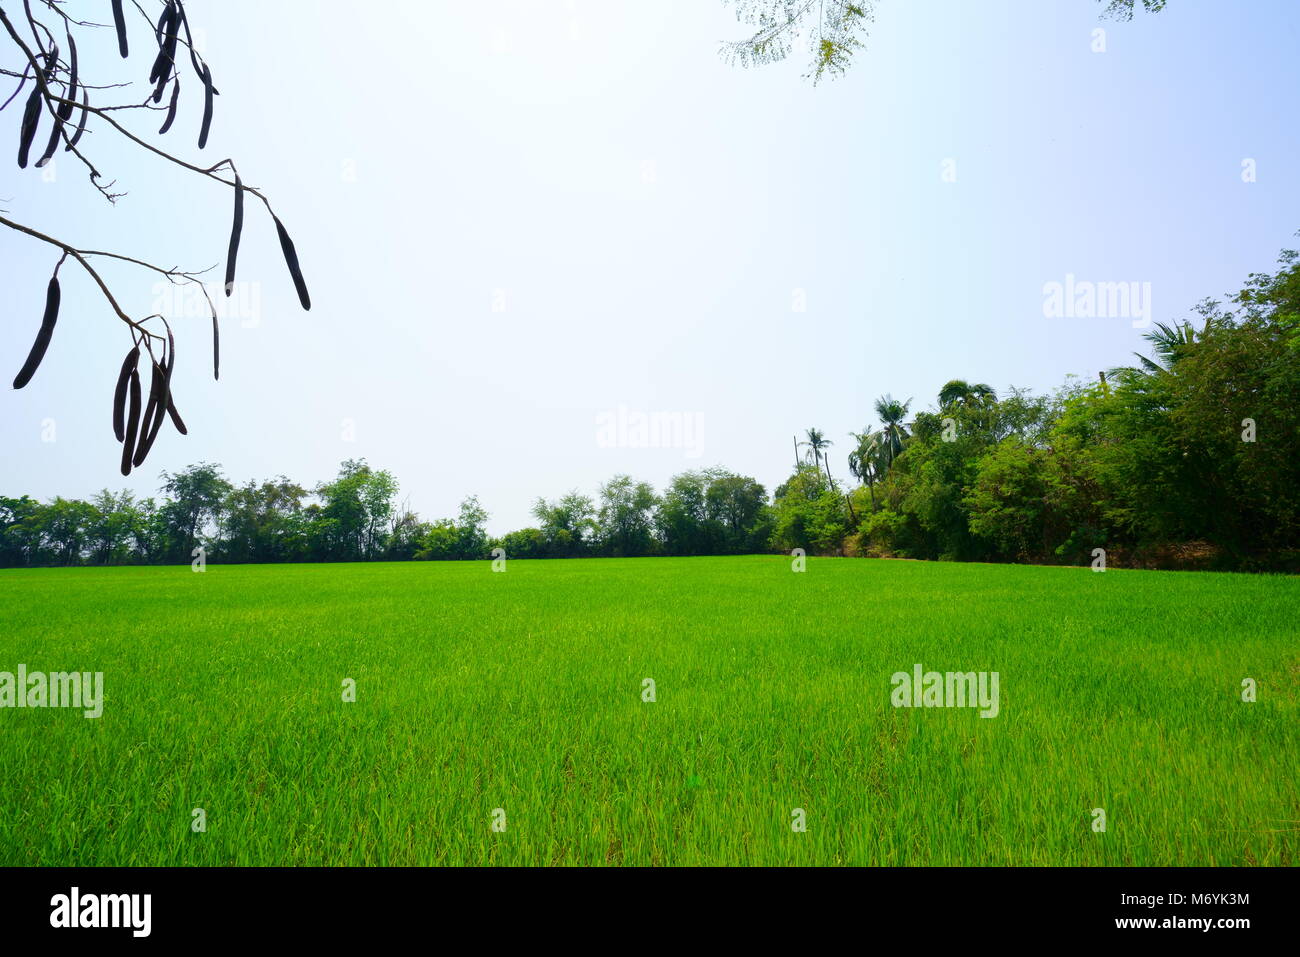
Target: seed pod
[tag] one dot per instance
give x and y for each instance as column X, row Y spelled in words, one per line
column 166, row 36
column 81, row 124
column 176, row 417
column 236, row 228
column 53, row 143
column 120, row 22
column 216, row 347
column 291, row 260
column 42, row 336
column 132, row 423
column 119, row 393
column 70, row 96
column 171, row 107
column 152, row 412
column 27, row 131
column 207, row 107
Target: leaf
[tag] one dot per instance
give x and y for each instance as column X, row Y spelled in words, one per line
column 132, row 423
column 42, row 336
column 291, row 260
column 120, row 22
column 119, row 393
column 236, row 228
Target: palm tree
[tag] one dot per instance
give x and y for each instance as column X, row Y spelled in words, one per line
column 892, row 412
column 1171, row 344
column 866, row 459
column 816, row 442
column 965, row 394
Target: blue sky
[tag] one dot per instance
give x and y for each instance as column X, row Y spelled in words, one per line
column 515, row 217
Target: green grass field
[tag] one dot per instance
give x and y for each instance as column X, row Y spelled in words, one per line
column 523, row 691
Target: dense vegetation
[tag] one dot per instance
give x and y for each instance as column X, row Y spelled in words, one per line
column 1190, row 458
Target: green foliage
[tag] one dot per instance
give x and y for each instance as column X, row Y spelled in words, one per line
column 831, row 30
column 523, row 691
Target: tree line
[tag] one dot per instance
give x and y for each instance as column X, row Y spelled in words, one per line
column 1188, row 458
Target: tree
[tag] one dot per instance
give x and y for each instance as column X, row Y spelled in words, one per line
column 892, row 412
column 738, row 505
column 61, row 92
column 816, row 443
column 867, row 461
column 20, row 537
column 196, row 496
column 263, row 523
column 625, row 516
column 111, row 529
column 353, row 522
column 831, row 30
column 567, row 523
column 962, row 393
column 65, row 525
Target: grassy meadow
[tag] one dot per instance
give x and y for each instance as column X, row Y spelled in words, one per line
column 523, row 691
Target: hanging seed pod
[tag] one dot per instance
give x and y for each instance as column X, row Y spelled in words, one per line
column 152, row 412
column 119, row 393
column 165, row 33
column 207, row 107
column 31, row 120
column 176, row 417
column 236, row 228
column 53, row 143
column 291, row 260
column 70, row 97
column 42, row 336
column 120, row 22
column 132, row 423
column 171, row 107
column 81, row 124
column 216, row 347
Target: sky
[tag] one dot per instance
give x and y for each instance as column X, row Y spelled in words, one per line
column 529, row 226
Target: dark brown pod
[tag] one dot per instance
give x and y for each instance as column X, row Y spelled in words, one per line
column 53, row 143
column 176, row 416
column 120, row 22
column 236, row 228
column 153, row 412
column 70, row 97
column 216, row 347
column 27, row 131
column 132, row 423
column 166, row 35
column 81, row 124
column 207, row 107
column 291, row 260
column 119, row 393
column 171, row 107
column 42, row 336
